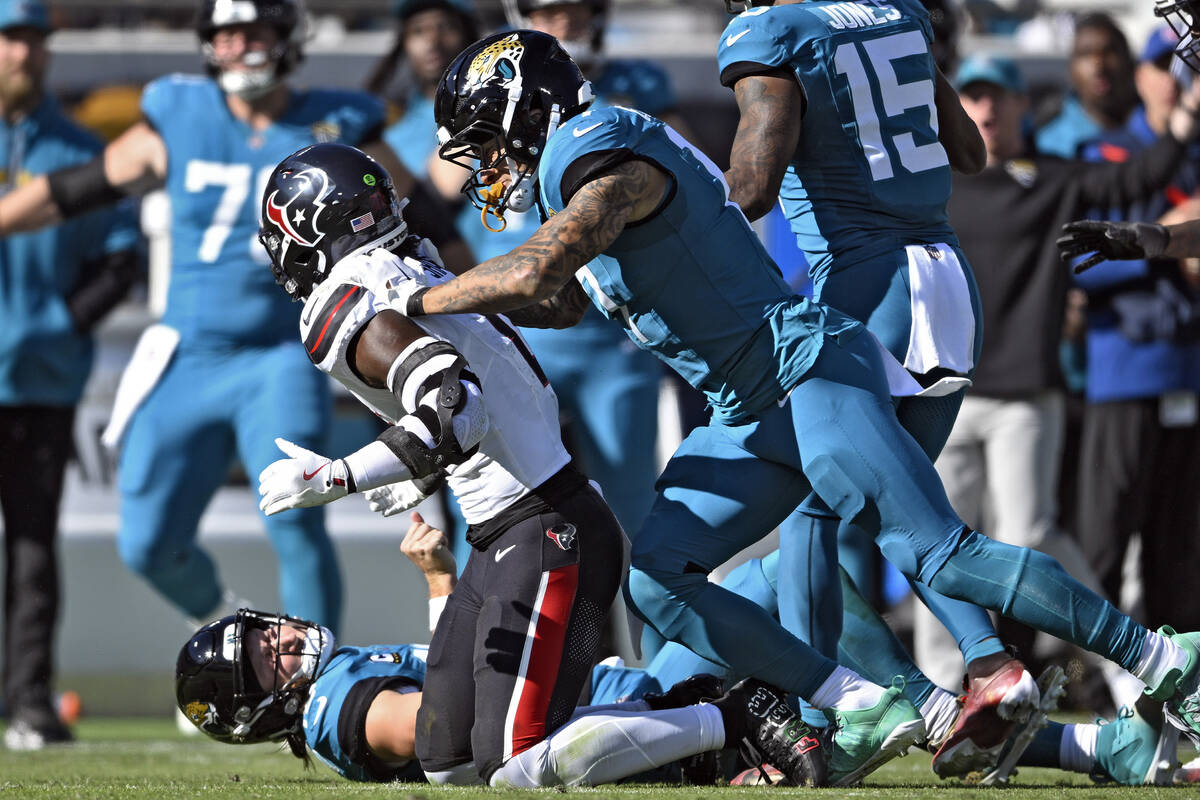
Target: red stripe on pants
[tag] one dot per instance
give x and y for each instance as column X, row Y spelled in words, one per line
column 545, row 658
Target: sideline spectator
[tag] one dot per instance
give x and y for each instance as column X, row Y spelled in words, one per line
column 1006, row 441
column 1141, row 439
column 56, row 285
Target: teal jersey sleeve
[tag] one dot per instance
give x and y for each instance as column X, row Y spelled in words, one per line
column 176, row 105
column 758, row 40
column 335, row 715
column 597, row 131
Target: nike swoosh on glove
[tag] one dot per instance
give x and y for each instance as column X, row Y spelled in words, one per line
column 302, row 480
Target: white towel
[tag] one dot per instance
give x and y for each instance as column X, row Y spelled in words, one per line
column 147, row 364
column 943, row 322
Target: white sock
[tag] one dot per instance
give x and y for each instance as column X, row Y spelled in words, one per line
column 940, row 711
column 1077, row 749
column 847, row 690
column 1159, row 656
column 1124, row 688
column 606, row 746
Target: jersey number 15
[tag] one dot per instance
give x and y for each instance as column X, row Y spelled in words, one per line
column 877, row 77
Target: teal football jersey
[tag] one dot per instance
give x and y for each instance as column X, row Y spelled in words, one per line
column 692, row 283
column 869, row 174
column 324, row 728
column 222, row 292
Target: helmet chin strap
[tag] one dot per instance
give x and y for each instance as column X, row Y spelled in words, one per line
column 522, row 193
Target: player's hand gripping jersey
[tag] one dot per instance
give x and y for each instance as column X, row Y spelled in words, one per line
column 221, row 291
column 869, row 174
column 522, row 447
column 694, row 272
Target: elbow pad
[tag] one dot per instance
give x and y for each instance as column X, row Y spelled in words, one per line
column 444, row 413
column 76, row 190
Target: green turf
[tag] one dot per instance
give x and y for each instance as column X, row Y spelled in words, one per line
column 125, row 758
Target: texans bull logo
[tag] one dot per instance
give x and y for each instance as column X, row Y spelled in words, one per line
column 294, row 222
column 563, row 535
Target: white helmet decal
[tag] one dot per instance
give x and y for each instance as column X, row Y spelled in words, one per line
column 299, row 227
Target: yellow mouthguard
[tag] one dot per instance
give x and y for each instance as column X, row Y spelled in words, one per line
column 491, row 195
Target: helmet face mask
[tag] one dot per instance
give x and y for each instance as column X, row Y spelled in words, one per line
column 265, row 69
column 1181, row 16
column 321, row 203
column 498, row 103
column 216, row 685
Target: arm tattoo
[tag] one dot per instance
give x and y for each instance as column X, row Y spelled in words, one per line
column 767, row 134
column 536, row 270
column 562, row 310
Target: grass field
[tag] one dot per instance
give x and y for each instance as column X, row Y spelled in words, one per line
column 124, row 758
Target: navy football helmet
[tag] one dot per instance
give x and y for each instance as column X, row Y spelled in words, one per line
column 1181, row 16
column 732, row 6
column 217, row 689
column 286, row 16
column 498, row 103
column 583, row 51
column 321, row 203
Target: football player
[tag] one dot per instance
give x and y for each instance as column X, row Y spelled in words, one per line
column 848, row 123
column 800, row 397
column 467, row 402
column 212, row 140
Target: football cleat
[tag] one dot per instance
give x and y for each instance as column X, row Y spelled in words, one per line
column 991, row 708
column 1189, row 772
column 1052, row 685
column 863, row 741
column 1130, row 750
column 773, row 733
column 1181, row 689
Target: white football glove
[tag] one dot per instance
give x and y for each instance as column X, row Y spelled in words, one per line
column 396, row 498
column 303, row 479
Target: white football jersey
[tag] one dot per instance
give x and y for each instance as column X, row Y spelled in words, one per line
column 522, row 448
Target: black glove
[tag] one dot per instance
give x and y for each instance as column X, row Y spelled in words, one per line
column 1117, row 241
column 688, row 692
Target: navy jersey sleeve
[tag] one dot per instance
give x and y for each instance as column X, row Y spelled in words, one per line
column 759, row 41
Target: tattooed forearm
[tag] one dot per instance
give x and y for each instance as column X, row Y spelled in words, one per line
column 562, row 310
column 535, row 271
column 771, row 108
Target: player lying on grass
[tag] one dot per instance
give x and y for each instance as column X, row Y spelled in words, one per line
column 255, row 676
column 358, row 712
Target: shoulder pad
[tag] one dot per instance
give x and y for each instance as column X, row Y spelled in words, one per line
column 332, row 314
